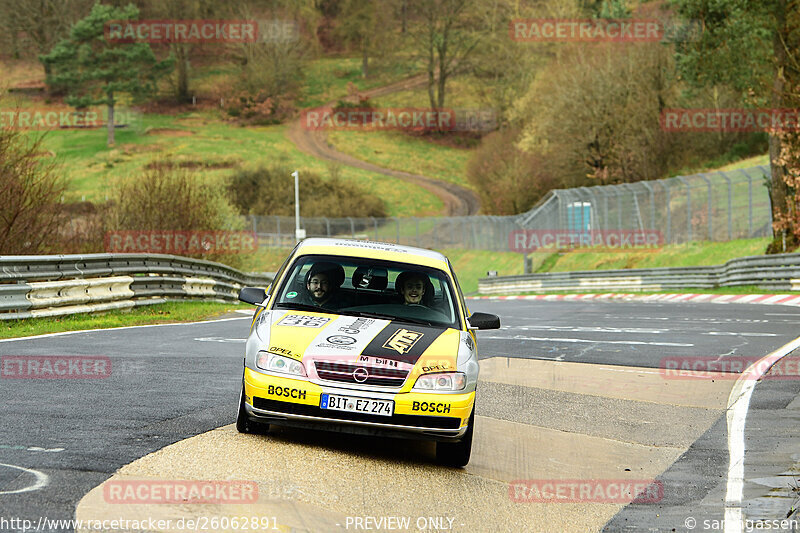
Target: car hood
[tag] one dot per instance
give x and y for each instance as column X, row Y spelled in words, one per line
column 302, row 335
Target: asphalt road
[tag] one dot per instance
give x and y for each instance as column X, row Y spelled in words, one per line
column 169, row 383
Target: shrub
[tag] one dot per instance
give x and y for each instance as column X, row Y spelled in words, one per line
column 270, row 191
column 165, row 198
column 30, row 188
column 507, row 180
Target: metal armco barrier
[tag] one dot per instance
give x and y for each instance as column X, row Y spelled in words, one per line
column 55, row 285
column 780, row 272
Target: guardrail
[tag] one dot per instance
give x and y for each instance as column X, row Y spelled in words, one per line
column 54, row 285
column 780, row 272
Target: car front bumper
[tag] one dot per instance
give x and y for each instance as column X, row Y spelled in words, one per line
column 296, row 402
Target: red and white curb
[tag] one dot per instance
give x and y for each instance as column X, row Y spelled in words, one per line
column 766, row 299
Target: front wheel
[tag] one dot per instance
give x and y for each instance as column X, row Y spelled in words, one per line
column 243, row 422
column 457, row 454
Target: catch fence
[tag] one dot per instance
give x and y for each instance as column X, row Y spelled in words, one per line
column 716, row 206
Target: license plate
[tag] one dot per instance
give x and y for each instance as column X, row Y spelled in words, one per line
column 354, row 404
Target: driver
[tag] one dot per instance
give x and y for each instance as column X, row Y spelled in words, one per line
column 412, row 286
column 322, row 284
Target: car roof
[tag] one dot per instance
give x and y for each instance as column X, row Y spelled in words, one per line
column 372, row 249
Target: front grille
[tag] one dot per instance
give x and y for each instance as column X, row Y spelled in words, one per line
column 342, row 372
column 421, row 421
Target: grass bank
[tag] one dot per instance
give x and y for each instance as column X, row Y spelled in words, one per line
column 153, row 314
column 672, row 255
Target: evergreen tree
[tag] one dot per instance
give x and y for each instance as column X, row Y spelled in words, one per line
column 92, row 70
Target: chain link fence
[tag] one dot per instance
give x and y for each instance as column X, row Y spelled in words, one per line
column 718, row 206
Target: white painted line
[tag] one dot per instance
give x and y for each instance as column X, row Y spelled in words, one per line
column 218, row 339
column 29, row 448
column 41, row 480
column 590, row 329
column 738, row 404
column 590, row 341
column 45, row 335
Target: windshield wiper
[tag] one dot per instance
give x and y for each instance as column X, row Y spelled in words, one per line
column 303, row 307
column 392, row 317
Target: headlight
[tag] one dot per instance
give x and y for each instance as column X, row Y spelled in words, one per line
column 278, row 363
column 447, row 381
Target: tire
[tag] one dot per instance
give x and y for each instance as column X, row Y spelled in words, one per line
column 243, row 422
column 457, row 454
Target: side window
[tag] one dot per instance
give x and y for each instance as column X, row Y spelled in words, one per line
column 458, row 290
column 278, row 276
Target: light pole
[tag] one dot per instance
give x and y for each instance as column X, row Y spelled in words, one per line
column 299, row 234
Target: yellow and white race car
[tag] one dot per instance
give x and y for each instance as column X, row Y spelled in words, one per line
column 364, row 337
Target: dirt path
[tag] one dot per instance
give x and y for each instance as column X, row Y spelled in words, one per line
column 458, row 201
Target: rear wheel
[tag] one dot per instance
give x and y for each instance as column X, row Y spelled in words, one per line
column 243, row 422
column 457, row 453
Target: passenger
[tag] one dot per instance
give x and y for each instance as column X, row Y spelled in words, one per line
column 413, row 286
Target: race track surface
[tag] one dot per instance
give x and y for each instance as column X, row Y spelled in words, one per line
column 570, row 392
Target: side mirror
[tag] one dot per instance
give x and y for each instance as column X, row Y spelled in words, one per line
column 252, row 295
column 484, row 321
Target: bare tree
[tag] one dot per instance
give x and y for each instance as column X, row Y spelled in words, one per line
column 447, row 33
column 43, row 22
column 31, row 188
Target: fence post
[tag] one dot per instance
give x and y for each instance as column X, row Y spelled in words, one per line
column 688, row 208
column 710, row 218
column 352, row 227
column 768, row 173
column 593, row 203
column 279, row 237
column 730, row 204
column 396, row 219
column 652, row 204
column 327, row 225
column 749, row 203
column 665, row 184
column 619, row 205
column 375, row 222
column 629, row 187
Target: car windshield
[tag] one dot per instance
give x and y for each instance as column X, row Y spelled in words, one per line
column 369, row 287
